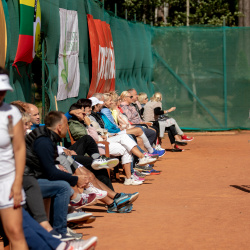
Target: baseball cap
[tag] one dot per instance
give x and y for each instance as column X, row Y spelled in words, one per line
column 5, row 83
column 95, row 101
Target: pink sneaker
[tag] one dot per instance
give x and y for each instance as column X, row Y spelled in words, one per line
column 186, row 138
column 151, row 155
column 138, row 178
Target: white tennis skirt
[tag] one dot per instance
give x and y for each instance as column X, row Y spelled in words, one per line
column 6, row 182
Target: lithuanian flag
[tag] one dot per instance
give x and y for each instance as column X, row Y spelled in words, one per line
column 29, row 33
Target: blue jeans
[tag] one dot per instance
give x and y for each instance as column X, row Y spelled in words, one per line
column 60, row 192
column 37, row 237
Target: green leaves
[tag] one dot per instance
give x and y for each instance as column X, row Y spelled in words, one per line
column 202, row 12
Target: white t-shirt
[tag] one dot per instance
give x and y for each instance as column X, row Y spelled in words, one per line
column 7, row 162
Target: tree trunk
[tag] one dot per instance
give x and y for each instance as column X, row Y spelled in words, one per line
column 244, row 8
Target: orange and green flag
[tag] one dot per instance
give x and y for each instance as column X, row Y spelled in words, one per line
column 29, row 33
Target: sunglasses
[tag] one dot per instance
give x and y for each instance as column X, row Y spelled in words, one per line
column 129, row 96
column 146, row 98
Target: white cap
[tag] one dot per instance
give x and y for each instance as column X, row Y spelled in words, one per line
column 95, row 101
column 5, row 83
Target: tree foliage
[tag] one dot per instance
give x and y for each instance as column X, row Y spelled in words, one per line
column 202, row 12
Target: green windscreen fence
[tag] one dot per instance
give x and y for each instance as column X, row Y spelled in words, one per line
column 203, row 71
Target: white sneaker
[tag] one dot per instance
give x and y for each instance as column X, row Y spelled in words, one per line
column 146, row 160
column 100, row 194
column 137, row 178
column 158, row 147
column 104, row 162
column 132, row 181
column 83, row 244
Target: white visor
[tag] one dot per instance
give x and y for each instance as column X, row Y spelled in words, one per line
column 5, row 83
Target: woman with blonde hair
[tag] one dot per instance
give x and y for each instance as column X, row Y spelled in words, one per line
column 153, row 112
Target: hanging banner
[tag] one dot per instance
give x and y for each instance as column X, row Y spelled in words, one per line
column 3, row 37
column 29, row 34
column 103, row 57
column 68, row 61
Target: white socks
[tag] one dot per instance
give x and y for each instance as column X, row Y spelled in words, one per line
column 146, row 143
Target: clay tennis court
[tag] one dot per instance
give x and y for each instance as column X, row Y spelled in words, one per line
column 191, row 205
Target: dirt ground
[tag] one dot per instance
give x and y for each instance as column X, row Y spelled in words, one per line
column 191, row 205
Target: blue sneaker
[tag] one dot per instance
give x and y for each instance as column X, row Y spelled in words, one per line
column 159, row 152
column 122, row 210
column 133, row 197
column 126, row 199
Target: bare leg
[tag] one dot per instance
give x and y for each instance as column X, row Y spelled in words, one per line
column 111, row 193
column 13, row 227
column 137, row 152
column 127, row 169
column 141, row 144
column 135, row 131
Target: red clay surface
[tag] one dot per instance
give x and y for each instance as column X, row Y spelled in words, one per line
column 191, row 205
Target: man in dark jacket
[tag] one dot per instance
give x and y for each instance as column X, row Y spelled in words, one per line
column 41, row 145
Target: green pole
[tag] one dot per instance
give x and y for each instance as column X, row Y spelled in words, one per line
column 103, row 9
column 135, row 17
column 225, row 70
column 43, row 83
column 126, row 14
column 115, row 9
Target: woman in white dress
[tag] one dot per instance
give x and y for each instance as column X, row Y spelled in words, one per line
column 12, row 162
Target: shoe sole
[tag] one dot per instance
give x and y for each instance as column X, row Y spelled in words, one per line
column 173, row 150
column 79, row 219
column 90, row 243
column 88, row 221
column 155, row 173
column 133, row 184
column 180, row 143
column 151, row 162
column 141, row 170
column 109, row 164
column 132, row 199
column 122, row 210
column 186, row 140
column 162, row 154
column 156, row 156
column 68, row 239
column 77, row 237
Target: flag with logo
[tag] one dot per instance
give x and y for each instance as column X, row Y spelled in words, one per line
column 29, row 32
column 68, row 61
column 103, row 56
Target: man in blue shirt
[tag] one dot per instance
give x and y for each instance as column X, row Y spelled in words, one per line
column 34, row 116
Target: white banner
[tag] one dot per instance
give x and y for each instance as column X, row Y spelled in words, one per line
column 68, row 62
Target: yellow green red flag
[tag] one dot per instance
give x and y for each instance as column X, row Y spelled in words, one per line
column 29, row 33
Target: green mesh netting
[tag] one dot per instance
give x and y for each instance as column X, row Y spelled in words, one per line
column 202, row 71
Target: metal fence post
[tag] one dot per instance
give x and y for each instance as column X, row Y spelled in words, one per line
column 225, row 70
column 43, row 83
